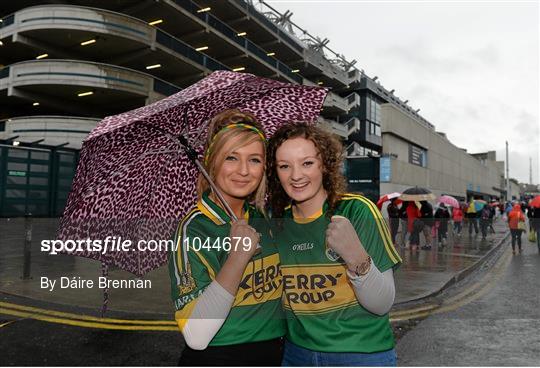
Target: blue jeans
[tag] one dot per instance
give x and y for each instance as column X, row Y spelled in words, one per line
column 295, row 356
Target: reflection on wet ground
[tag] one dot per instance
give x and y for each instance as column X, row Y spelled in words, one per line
column 425, row 271
column 422, row 271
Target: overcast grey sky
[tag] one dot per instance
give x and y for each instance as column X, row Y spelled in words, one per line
column 472, row 67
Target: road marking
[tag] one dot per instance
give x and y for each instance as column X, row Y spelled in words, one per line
column 83, row 317
column 496, row 274
column 7, row 323
column 464, row 297
column 78, row 323
column 423, row 308
column 87, row 321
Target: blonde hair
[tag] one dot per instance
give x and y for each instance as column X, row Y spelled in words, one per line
column 226, row 140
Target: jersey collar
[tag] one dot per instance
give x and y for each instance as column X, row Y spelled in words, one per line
column 312, row 217
column 214, row 212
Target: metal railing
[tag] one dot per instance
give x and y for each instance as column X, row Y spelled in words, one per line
column 7, row 21
column 4, row 72
column 353, row 125
column 184, row 49
column 243, row 42
column 165, row 88
column 268, row 23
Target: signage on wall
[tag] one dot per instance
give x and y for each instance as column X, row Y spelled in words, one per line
column 417, row 156
column 385, row 170
column 16, row 173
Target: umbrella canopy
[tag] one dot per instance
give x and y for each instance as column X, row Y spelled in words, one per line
column 449, row 201
column 386, row 198
column 417, row 194
column 535, row 202
column 494, row 204
column 134, row 182
column 479, row 204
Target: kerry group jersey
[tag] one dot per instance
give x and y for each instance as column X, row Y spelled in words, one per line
column 203, row 243
column 322, row 311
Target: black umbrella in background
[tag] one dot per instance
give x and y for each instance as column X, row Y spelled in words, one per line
column 417, row 194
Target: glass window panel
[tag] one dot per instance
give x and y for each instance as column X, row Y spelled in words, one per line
column 17, row 166
column 39, row 155
column 16, row 180
column 39, row 168
column 37, row 194
column 13, row 152
column 16, row 193
column 38, row 181
column 65, row 182
column 66, row 157
column 17, row 208
column 66, row 170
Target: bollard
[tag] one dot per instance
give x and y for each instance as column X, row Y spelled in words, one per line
column 27, row 245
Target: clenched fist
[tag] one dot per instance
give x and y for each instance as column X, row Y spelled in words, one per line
column 343, row 239
column 247, row 246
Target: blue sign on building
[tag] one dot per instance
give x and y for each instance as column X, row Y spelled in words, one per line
column 469, row 186
column 385, row 170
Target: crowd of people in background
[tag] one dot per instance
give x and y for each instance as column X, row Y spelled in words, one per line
column 412, row 220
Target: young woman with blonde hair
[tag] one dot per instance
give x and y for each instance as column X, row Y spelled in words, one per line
column 226, row 295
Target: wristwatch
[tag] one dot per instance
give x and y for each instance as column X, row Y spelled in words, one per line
column 363, row 268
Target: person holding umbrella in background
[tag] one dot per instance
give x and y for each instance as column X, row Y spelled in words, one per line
column 472, row 218
column 485, row 217
column 223, row 321
column 426, row 211
column 443, row 217
column 457, row 217
column 393, row 218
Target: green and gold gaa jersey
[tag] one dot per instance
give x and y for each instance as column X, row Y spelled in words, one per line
column 203, row 242
column 322, row 311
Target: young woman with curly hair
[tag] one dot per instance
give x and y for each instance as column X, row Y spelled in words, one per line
column 336, row 256
column 226, row 295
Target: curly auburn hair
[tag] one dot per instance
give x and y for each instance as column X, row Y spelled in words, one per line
column 331, row 153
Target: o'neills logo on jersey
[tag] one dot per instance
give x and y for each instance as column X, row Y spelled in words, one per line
column 302, row 246
column 316, row 288
column 261, row 282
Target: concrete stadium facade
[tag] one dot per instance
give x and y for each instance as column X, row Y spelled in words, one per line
column 65, row 67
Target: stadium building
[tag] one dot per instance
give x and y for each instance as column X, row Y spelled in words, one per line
column 68, row 64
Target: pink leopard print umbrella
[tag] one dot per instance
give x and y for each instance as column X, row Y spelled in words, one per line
column 133, row 182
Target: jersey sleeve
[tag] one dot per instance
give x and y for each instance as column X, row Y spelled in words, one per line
column 190, row 272
column 373, row 232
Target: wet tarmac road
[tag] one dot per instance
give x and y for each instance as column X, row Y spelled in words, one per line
column 499, row 328
column 30, row 342
column 36, row 342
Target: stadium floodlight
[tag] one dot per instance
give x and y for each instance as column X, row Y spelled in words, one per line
column 89, row 42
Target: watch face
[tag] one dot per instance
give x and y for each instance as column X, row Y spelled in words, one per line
column 363, row 268
column 332, row 255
